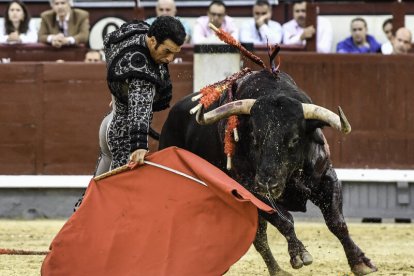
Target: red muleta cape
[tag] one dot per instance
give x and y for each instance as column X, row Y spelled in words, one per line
column 150, row 221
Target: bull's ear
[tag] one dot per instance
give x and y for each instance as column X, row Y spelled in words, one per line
column 318, row 137
column 312, row 124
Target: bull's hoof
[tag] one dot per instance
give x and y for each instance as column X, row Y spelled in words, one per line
column 364, row 269
column 296, row 262
column 305, row 258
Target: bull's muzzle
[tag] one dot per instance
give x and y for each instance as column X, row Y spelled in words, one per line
column 266, row 187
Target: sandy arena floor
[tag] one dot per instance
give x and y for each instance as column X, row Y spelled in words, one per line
column 390, row 246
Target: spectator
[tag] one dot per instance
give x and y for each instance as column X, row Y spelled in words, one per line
column 386, row 48
column 359, row 42
column 17, row 27
column 401, row 42
column 295, row 31
column 216, row 15
column 261, row 29
column 63, row 25
column 93, row 56
column 167, row 7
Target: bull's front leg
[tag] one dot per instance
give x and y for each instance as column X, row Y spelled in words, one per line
column 329, row 200
column 284, row 223
column 262, row 246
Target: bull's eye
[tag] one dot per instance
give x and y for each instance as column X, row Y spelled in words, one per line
column 254, row 141
column 294, row 142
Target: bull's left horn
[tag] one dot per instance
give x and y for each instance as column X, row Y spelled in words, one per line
column 224, row 111
column 312, row 111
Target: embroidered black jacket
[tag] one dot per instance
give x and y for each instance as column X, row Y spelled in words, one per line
column 135, row 80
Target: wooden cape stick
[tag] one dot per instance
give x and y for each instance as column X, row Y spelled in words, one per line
column 4, row 251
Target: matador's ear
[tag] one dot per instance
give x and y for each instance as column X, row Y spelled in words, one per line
column 152, row 41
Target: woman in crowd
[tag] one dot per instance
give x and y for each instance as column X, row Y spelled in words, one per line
column 17, row 27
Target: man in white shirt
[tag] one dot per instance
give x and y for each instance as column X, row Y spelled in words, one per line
column 216, row 15
column 261, row 29
column 295, row 31
column 386, row 47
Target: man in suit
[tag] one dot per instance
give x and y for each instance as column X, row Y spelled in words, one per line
column 63, row 25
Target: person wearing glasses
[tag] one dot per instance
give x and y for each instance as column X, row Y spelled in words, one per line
column 216, row 15
column 261, row 29
column 168, row 8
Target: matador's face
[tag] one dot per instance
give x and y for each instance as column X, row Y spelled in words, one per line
column 163, row 52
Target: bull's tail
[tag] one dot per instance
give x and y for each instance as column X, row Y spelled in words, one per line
column 154, row 134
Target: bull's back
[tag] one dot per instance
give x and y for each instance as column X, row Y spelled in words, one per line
column 182, row 130
column 175, row 126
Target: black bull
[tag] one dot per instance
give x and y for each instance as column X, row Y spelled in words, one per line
column 281, row 157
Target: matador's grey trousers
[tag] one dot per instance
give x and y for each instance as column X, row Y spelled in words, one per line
column 105, row 159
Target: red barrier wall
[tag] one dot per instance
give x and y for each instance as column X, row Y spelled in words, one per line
column 50, row 112
column 50, row 115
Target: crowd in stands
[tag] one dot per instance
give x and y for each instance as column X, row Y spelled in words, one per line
column 64, row 25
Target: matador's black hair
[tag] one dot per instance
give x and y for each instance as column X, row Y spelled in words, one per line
column 167, row 27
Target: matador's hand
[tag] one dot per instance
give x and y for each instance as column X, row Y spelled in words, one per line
column 138, row 156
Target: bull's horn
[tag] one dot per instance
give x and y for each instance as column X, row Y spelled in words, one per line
column 228, row 165
column 311, row 111
column 197, row 97
column 235, row 134
column 224, row 111
column 196, row 108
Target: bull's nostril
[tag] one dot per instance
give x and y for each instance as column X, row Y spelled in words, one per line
column 262, row 185
column 276, row 190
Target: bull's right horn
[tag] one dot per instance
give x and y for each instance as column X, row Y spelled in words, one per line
column 224, row 111
column 312, row 111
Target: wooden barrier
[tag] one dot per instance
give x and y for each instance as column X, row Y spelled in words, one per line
column 375, row 91
column 50, row 115
column 42, row 52
column 50, row 112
